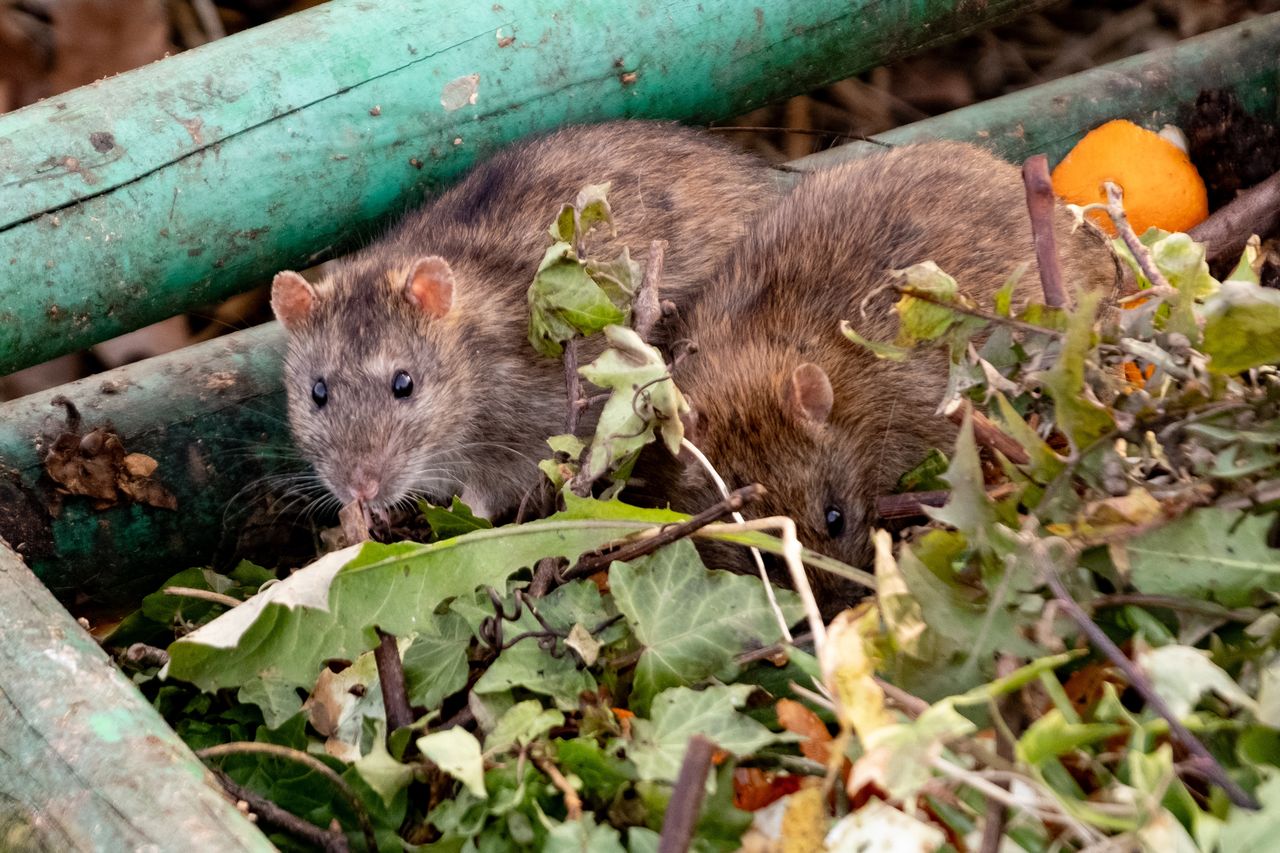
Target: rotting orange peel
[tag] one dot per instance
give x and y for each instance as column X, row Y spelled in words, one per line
column 1161, row 186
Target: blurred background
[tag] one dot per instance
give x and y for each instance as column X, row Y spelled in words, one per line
column 49, row 46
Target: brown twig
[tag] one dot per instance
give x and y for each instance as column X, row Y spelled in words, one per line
column 986, row 433
column 572, row 386
column 572, row 802
column 589, row 564
column 1169, row 602
column 1040, row 206
column 201, row 594
column 1006, row 709
column 546, row 576
column 1254, row 211
column 912, row 706
column 309, row 761
column 1208, row 765
column 395, row 697
column 686, row 797
column 140, row 654
column 272, row 816
column 646, row 308
column 1115, row 209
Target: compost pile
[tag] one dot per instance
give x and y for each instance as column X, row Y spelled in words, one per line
column 1080, row 645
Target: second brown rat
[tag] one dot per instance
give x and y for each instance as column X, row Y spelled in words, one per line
column 782, row 398
column 409, row 372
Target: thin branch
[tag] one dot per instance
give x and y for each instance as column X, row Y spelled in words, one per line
column 589, row 564
column 915, row 504
column 1227, row 230
column 986, row 433
column 686, row 797
column 1115, row 209
column 202, row 594
column 646, row 308
column 1040, row 206
column 1139, row 682
column 572, row 802
column 222, row 750
column 572, row 386
column 912, row 706
column 395, row 697
column 272, row 816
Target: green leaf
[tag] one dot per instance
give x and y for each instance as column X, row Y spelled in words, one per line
column 564, row 301
column 892, row 352
column 381, row 772
column 968, row 509
column 720, row 615
column 592, row 206
column 1003, row 300
column 1181, row 675
column 1254, row 832
column 659, row 743
column 643, row 396
column 926, row 476
column 278, row 700
column 435, row 664
column 452, row 521
column 618, row 278
column 457, row 752
column 1208, row 553
column 329, row 609
column 524, row 723
column 1045, row 464
column 1051, row 735
column 583, row 836
column 922, row 319
column 1242, row 327
column 1075, row 411
column 603, row 775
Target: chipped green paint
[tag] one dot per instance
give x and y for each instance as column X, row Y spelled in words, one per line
column 167, row 408
column 86, row 764
column 176, row 184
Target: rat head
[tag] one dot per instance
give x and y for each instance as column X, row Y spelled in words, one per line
column 824, row 450
column 364, row 376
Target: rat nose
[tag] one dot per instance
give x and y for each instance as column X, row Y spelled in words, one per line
column 364, row 486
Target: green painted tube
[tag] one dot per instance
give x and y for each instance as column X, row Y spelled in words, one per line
column 171, row 186
column 86, row 764
column 220, row 404
column 1152, row 89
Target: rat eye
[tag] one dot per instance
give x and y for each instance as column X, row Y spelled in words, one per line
column 402, row 384
column 835, row 520
column 320, row 393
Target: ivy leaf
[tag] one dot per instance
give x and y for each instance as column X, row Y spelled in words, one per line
column 1081, row 417
column 920, row 319
column 678, row 714
column 582, row 835
column 1241, row 327
column 1193, row 557
column 435, row 664
column 564, row 301
column 386, row 776
column 457, row 752
column 1181, row 675
column 452, row 521
column 643, row 396
column 618, row 278
column 521, row 725
column 603, row 775
column 721, row 614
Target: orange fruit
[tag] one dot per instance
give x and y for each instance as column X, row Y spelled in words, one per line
column 1161, row 186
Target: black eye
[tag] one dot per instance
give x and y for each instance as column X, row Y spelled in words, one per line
column 402, row 384
column 320, row 393
column 835, row 521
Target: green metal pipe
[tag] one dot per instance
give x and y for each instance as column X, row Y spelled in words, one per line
column 1152, row 89
column 171, row 186
column 165, row 407
column 86, row 764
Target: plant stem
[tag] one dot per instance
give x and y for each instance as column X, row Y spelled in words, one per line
column 395, row 697
column 1040, row 206
column 686, row 797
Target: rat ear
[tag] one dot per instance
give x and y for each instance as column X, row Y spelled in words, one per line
column 429, row 286
column 292, row 298
column 807, row 395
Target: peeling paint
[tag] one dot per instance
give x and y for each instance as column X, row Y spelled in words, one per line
column 460, row 92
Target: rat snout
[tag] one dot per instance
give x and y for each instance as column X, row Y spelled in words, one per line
column 364, row 484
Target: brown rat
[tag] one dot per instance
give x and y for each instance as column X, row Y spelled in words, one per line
column 409, row 372
column 784, row 399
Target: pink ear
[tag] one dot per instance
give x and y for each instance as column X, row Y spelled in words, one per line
column 292, row 298
column 430, row 286
column 807, row 394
